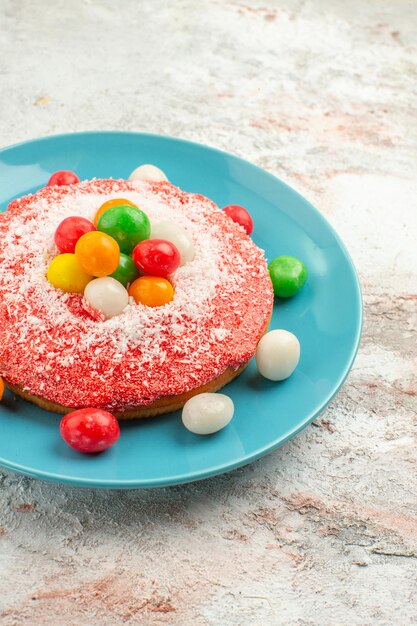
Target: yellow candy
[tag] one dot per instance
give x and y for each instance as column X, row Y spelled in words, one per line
column 66, row 273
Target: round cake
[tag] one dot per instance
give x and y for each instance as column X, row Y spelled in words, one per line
column 60, row 353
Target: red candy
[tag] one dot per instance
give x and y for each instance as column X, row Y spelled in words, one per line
column 69, row 231
column 156, row 257
column 63, row 177
column 239, row 215
column 90, row 430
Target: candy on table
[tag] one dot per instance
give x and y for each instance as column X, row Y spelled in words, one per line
column 107, row 295
column 206, row 413
column 240, row 215
column 98, row 253
column 90, row 430
column 151, row 291
column 177, row 235
column 126, row 271
column 277, row 354
column 109, row 205
column 1, row 389
column 69, row 231
column 66, row 272
column 127, row 225
column 156, row 257
column 63, row 177
column 288, row 275
column 148, row 172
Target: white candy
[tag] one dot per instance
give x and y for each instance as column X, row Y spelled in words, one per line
column 207, row 413
column 148, row 172
column 107, row 295
column 177, row 235
column 277, row 354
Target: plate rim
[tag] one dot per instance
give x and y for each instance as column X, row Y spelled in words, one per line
column 222, row 468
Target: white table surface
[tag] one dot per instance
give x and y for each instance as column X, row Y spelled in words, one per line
column 323, row 531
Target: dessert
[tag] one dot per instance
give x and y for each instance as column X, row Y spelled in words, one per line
column 64, row 346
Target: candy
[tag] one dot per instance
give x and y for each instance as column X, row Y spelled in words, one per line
column 69, row 231
column 288, row 275
column 98, row 253
column 90, row 430
column 206, row 413
column 148, row 172
column 65, row 272
column 127, row 225
column 156, row 257
column 239, row 215
column 277, row 354
column 126, row 271
column 63, row 177
column 151, row 291
column 177, row 235
column 109, row 205
column 1, row 389
column 107, row 295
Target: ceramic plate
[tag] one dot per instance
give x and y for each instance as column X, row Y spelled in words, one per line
column 326, row 316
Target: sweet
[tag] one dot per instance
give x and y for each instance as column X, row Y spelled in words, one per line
column 277, row 354
column 63, row 177
column 59, row 351
column 156, row 257
column 90, row 430
column 107, row 295
column 66, row 272
column 148, row 172
column 151, row 291
column 98, row 253
column 288, row 276
column 69, row 231
column 126, row 272
column 177, row 235
column 240, row 215
column 125, row 224
column 109, row 204
column 207, row 413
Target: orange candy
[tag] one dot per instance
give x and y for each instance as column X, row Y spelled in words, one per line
column 98, row 253
column 1, row 388
column 109, row 205
column 151, row 291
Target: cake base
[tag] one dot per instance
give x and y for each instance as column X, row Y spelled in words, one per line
column 165, row 404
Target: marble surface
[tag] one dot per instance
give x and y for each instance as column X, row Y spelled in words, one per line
column 323, row 531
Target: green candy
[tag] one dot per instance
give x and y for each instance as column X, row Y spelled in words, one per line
column 127, row 225
column 126, row 271
column 288, row 275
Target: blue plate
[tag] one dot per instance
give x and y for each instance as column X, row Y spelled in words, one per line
column 326, row 316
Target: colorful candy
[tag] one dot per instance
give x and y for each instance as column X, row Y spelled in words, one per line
column 63, row 177
column 107, row 295
column 127, row 225
column 1, row 389
column 66, row 272
column 148, row 172
column 277, row 354
column 69, row 231
column 177, row 235
column 151, row 291
column 126, row 271
column 288, row 275
column 90, row 430
column 206, row 413
column 98, row 253
column 156, row 257
column 109, row 205
column 239, row 215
